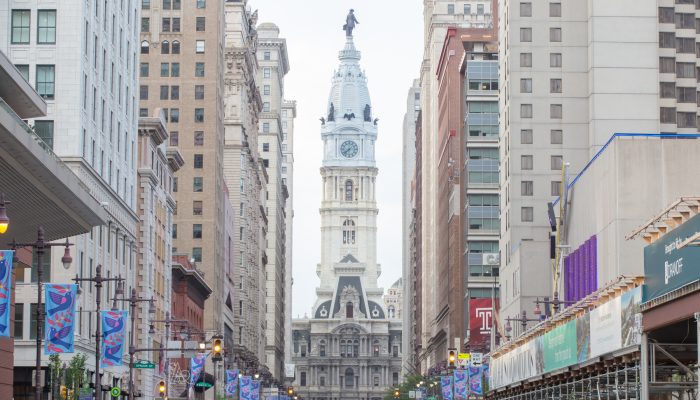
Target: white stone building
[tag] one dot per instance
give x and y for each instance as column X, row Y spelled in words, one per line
column 81, row 57
column 289, row 113
column 393, row 300
column 348, row 348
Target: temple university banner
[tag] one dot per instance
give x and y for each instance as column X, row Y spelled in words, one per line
column 113, row 337
column 231, row 382
column 480, row 323
column 446, row 385
column 460, row 384
column 60, row 318
column 5, row 291
column 246, row 387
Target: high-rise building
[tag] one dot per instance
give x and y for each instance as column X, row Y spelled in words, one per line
column 289, row 113
column 157, row 163
column 438, row 16
column 246, row 175
column 348, row 347
column 181, row 71
column 273, row 66
column 568, row 81
column 407, row 221
column 393, row 300
column 81, row 57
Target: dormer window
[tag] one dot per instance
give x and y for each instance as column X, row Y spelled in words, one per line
column 348, row 309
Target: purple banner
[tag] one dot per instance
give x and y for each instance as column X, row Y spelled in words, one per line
column 460, row 381
column 231, row 382
column 256, row 390
column 581, row 271
column 446, row 384
column 59, row 327
column 113, row 337
column 196, row 367
column 246, row 386
column 475, row 386
column 5, row 291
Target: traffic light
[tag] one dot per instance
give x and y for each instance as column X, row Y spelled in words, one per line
column 161, row 388
column 397, row 393
column 290, row 391
column 64, row 392
column 451, row 357
column 217, row 349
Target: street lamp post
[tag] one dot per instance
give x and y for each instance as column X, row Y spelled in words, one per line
column 133, row 300
column 152, row 331
column 98, row 279
column 40, row 246
column 523, row 319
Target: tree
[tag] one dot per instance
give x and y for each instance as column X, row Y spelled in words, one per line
column 408, row 384
column 75, row 374
column 55, row 373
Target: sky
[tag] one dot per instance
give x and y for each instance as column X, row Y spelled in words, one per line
column 390, row 37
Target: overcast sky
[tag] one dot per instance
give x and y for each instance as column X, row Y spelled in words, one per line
column 390, row 37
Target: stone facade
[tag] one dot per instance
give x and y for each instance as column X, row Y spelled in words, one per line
column 348, row 348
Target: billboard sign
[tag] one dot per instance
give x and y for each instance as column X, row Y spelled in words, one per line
column 666, row 267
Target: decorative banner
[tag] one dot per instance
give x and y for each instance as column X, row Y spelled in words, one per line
column 560, row 345
column 446, row 384
column 231, row 382
column 196, row 367
column 59, row 326
column 475, row 386
column 480, row 323
column 246, row 387
column 5, row 291
column 460, row 379
column 113, row 337
column 255, row 395
column 606, row 328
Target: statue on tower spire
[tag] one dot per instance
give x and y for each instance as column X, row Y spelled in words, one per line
column 350, row 22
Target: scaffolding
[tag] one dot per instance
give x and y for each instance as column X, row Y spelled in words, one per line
column 619, row 382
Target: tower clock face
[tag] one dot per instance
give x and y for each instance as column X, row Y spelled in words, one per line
column 348, row 149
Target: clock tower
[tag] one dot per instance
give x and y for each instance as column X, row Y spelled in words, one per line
column 349, row 173
column 349, row 347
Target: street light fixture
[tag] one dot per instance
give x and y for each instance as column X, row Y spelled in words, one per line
column 98, row 279
column 133, row 300
column 4, row 220
column 40, row 246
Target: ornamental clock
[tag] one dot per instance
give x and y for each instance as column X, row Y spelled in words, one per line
column 348, row 149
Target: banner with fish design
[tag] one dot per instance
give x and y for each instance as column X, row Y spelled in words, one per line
column 113, row 337
column 5, row 290
column 255, row 395
column 246, row 384
column 231, row 382
column 475, row 384
column 446, row 385
column 196, row 367
column 460, row 384
column 59, row 325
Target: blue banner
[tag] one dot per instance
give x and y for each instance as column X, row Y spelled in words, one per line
column 246, row 387
column 231, row 382
column 196, row 367
column 446, row 384
column 256, row 390
column 475, row 386
column 113, row 337
column 460, row 381
column 5, row 291
column 59, row 325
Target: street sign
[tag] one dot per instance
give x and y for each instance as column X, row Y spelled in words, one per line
column 477, row 359
column 85, row 393
column 115, row 391
column 462, row 363
column 144, row 364
column 463, row 356
column 205, row 385
column 411, row 394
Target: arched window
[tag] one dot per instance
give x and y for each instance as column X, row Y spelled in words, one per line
column 349, row 378
column 348, row 190
column 145, row 47
column 348, row 309
column 349, row 232
column 165, row 47
column 176, row 47
column 391, row 311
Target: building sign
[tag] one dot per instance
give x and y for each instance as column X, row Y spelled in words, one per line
column 480, row 323
column 611, row 326
column 666, row 267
